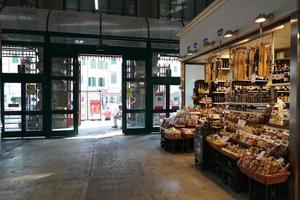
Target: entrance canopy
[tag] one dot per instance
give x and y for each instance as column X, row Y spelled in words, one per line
column 53, row 21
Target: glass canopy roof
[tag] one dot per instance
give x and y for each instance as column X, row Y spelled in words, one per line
column 87, row 23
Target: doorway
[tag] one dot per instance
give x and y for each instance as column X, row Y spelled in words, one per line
column 100, row 93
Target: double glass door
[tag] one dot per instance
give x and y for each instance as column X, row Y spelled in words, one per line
column 22, row 89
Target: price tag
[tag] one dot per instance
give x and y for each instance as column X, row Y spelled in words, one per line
column 225, row 138
column 241, row 123
column 253, row 78
column 280, row 160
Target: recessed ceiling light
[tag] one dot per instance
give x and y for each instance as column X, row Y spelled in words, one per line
column 230, row 33
column 262, row 18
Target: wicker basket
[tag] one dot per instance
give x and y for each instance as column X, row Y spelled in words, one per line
column 266, row 179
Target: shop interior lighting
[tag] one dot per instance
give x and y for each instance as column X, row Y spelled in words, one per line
column 263, row 17
column 230, row 33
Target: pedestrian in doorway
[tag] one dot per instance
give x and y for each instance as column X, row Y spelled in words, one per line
column 118, row 116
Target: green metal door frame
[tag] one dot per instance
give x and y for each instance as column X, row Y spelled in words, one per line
column 74, row 111
column 141, row 56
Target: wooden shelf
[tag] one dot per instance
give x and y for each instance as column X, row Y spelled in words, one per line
column 280, row 84
column 219, row 103
column 243, row 103
column 281, row 91
column 250, row 112
column 219, row 92
column 257, row 81
column 288, row 58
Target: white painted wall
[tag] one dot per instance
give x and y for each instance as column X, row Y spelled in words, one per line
column 234, row 14
column 193, row 72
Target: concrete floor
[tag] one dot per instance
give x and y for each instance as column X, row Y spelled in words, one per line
column 99, row 165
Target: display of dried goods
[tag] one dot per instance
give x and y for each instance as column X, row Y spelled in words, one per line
column 263, row 165
column 188, row 132
column 172, row 134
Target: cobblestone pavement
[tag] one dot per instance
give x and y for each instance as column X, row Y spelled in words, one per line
column 103, row 165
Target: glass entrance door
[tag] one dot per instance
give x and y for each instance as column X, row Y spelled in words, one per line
column 22, row 91
column 64, row 95
column 134, row 91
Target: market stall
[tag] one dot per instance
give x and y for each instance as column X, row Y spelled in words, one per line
column 249, row 61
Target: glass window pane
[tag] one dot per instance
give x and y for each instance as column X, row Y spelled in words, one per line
column 158, row 119
column 175, row 97
column 130, row 7
column 86, row 5
column 34, row 122
column 188, row 10
column 12, row 96
column 23, row 18
column 27, row 60
column 164, row 8
column 176, row 10
column 113, row 25
column 116, row 6
column 34, row 96
column 71, row 4
column 62, row 66
column 135, row 120
column 74, row 22
column 159, row 97
column 135, row 68
column 12, row 123
column 164, row 29
column 164, row 65
column 62, row 122
column 135, row 98
column 62, row 95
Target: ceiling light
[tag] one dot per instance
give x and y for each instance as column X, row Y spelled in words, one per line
column 263, row 17
column 230, row 33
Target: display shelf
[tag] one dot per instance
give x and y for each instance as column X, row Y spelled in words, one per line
column 281, row 91
column 218, row 103
column 219, row 92
column 243, row 103
column 280, row 84
column 256, row 81
column 277, row 126
column 288, row 58
column 249, row 112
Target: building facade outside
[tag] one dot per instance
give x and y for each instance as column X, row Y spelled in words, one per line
column 101, row 85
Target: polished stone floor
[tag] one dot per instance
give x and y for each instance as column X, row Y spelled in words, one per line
column 102, row 165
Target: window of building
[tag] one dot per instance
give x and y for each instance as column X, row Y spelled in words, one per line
column 101, row 82
column 113, row 78
column 19, row 3
column 92, row 81
column 116, row 7
column 182, row 10
column 93, row 64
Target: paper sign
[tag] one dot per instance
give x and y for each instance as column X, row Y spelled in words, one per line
column 241, row 123
column 225, row 138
